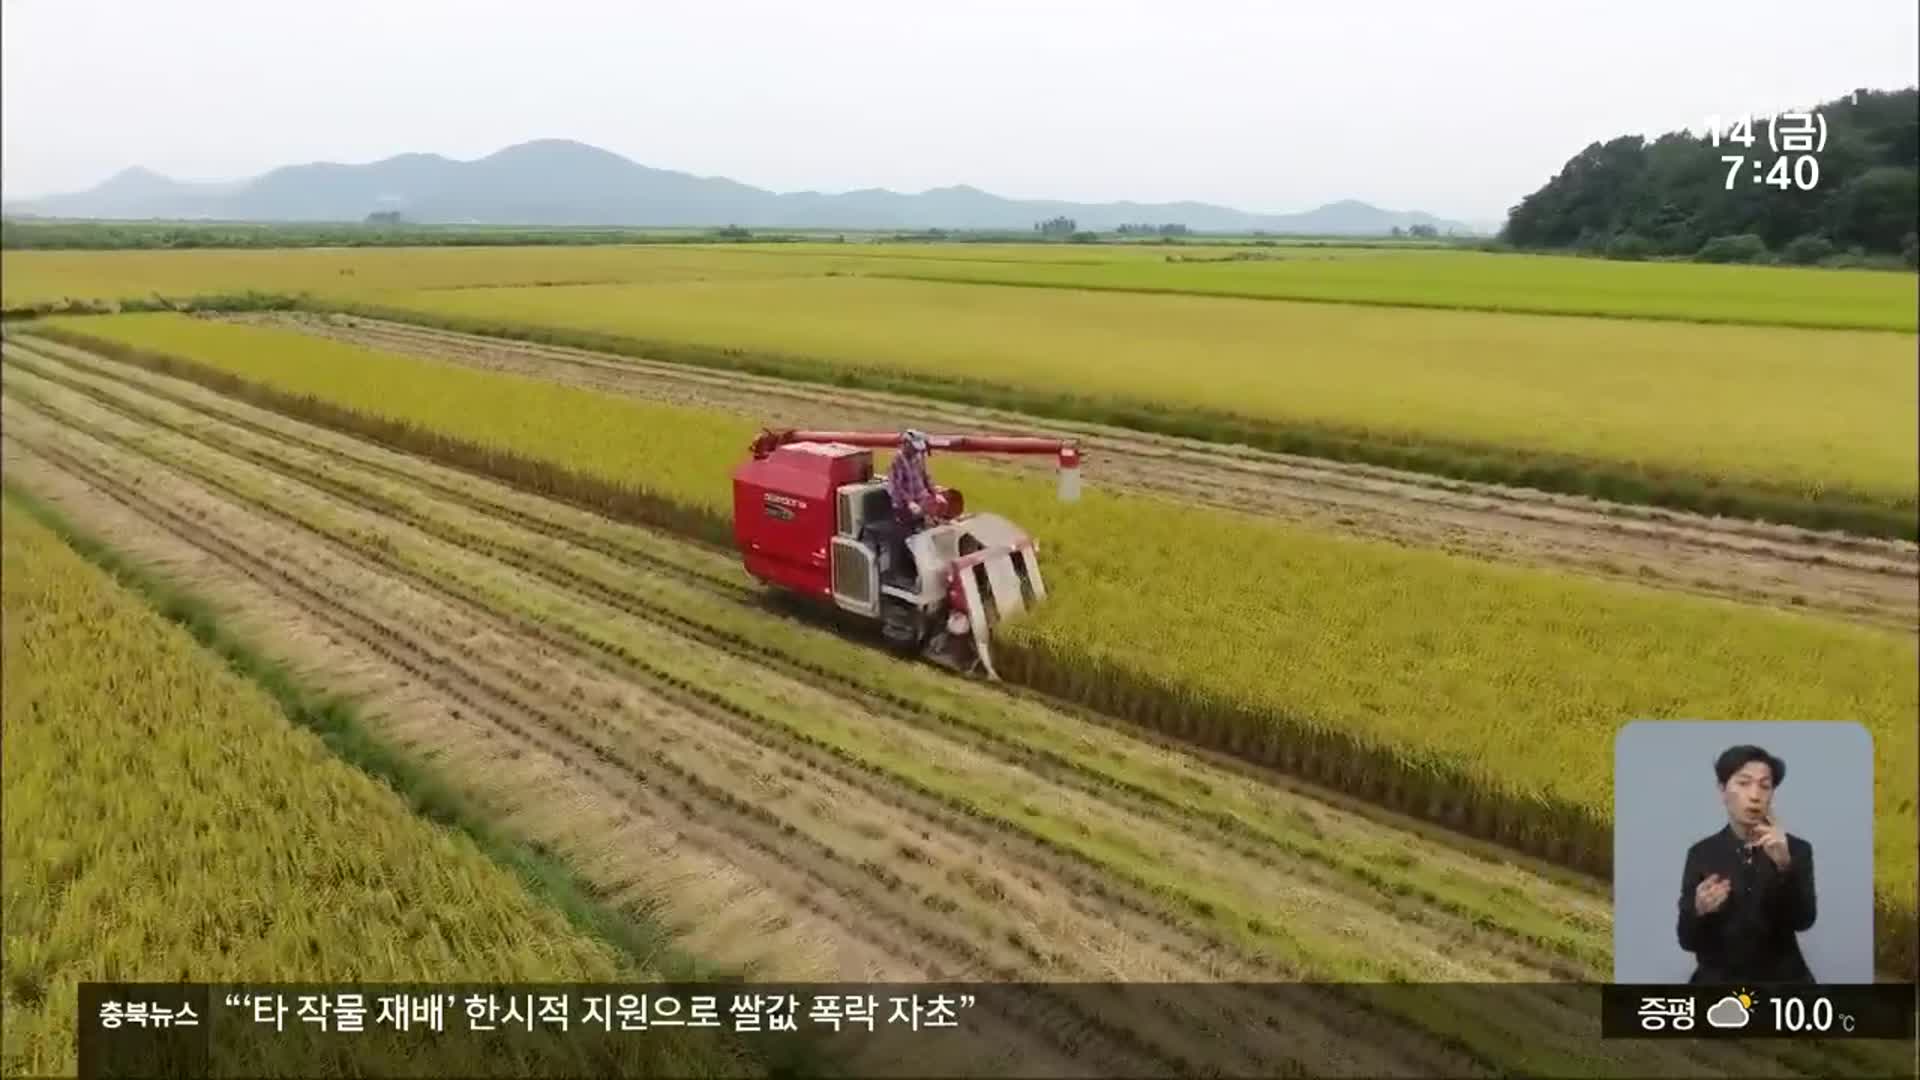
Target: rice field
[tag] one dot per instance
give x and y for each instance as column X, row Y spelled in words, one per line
column 766, row 785
column 1419, row 678
column 1480, row 696
column 40, row 277
column 1459, row 364
column 166, row 821
column 1838, row 299
column 1477, row 281
column 1780, row 423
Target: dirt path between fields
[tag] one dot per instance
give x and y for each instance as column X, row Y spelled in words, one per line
column 1862, row 579
column 760, row 848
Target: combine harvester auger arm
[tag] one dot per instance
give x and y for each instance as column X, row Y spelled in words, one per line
column 810, row 516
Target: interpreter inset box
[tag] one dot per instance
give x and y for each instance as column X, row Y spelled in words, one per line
column 1743, row 852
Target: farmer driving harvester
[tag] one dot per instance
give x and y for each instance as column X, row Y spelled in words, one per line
column 915, row 503
column 911, row 486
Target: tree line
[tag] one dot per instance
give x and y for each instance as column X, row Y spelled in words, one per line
column 1677, row 196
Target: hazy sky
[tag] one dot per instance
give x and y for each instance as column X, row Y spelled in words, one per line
column 1455, row 108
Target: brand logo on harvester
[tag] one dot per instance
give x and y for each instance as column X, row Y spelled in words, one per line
column 785, row 500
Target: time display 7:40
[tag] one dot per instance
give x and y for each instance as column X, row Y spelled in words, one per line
column 1804, row 134
column 1802, row 172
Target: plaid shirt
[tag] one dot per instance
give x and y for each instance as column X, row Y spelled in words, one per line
column 908, row 482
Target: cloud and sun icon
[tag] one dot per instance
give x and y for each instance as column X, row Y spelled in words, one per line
column 1732, row 1011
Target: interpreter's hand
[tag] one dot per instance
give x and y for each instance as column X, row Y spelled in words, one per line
column 1711, row 894
column 1771, row 839
column 914, row 508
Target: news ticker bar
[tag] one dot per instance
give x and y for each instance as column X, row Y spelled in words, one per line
column 574, row 1029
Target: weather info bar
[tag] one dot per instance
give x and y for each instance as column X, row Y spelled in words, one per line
column 1688, row 1011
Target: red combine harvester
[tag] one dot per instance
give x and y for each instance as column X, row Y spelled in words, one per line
column 811, row 517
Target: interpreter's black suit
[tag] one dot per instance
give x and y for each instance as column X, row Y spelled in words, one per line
column 1751, row 938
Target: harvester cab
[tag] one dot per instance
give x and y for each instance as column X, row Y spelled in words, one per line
column 811, row 517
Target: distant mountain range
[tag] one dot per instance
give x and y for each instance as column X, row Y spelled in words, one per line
column 559, row 182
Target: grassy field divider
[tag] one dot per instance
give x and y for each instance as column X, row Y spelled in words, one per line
column 1558, row 831
column 335, row 720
